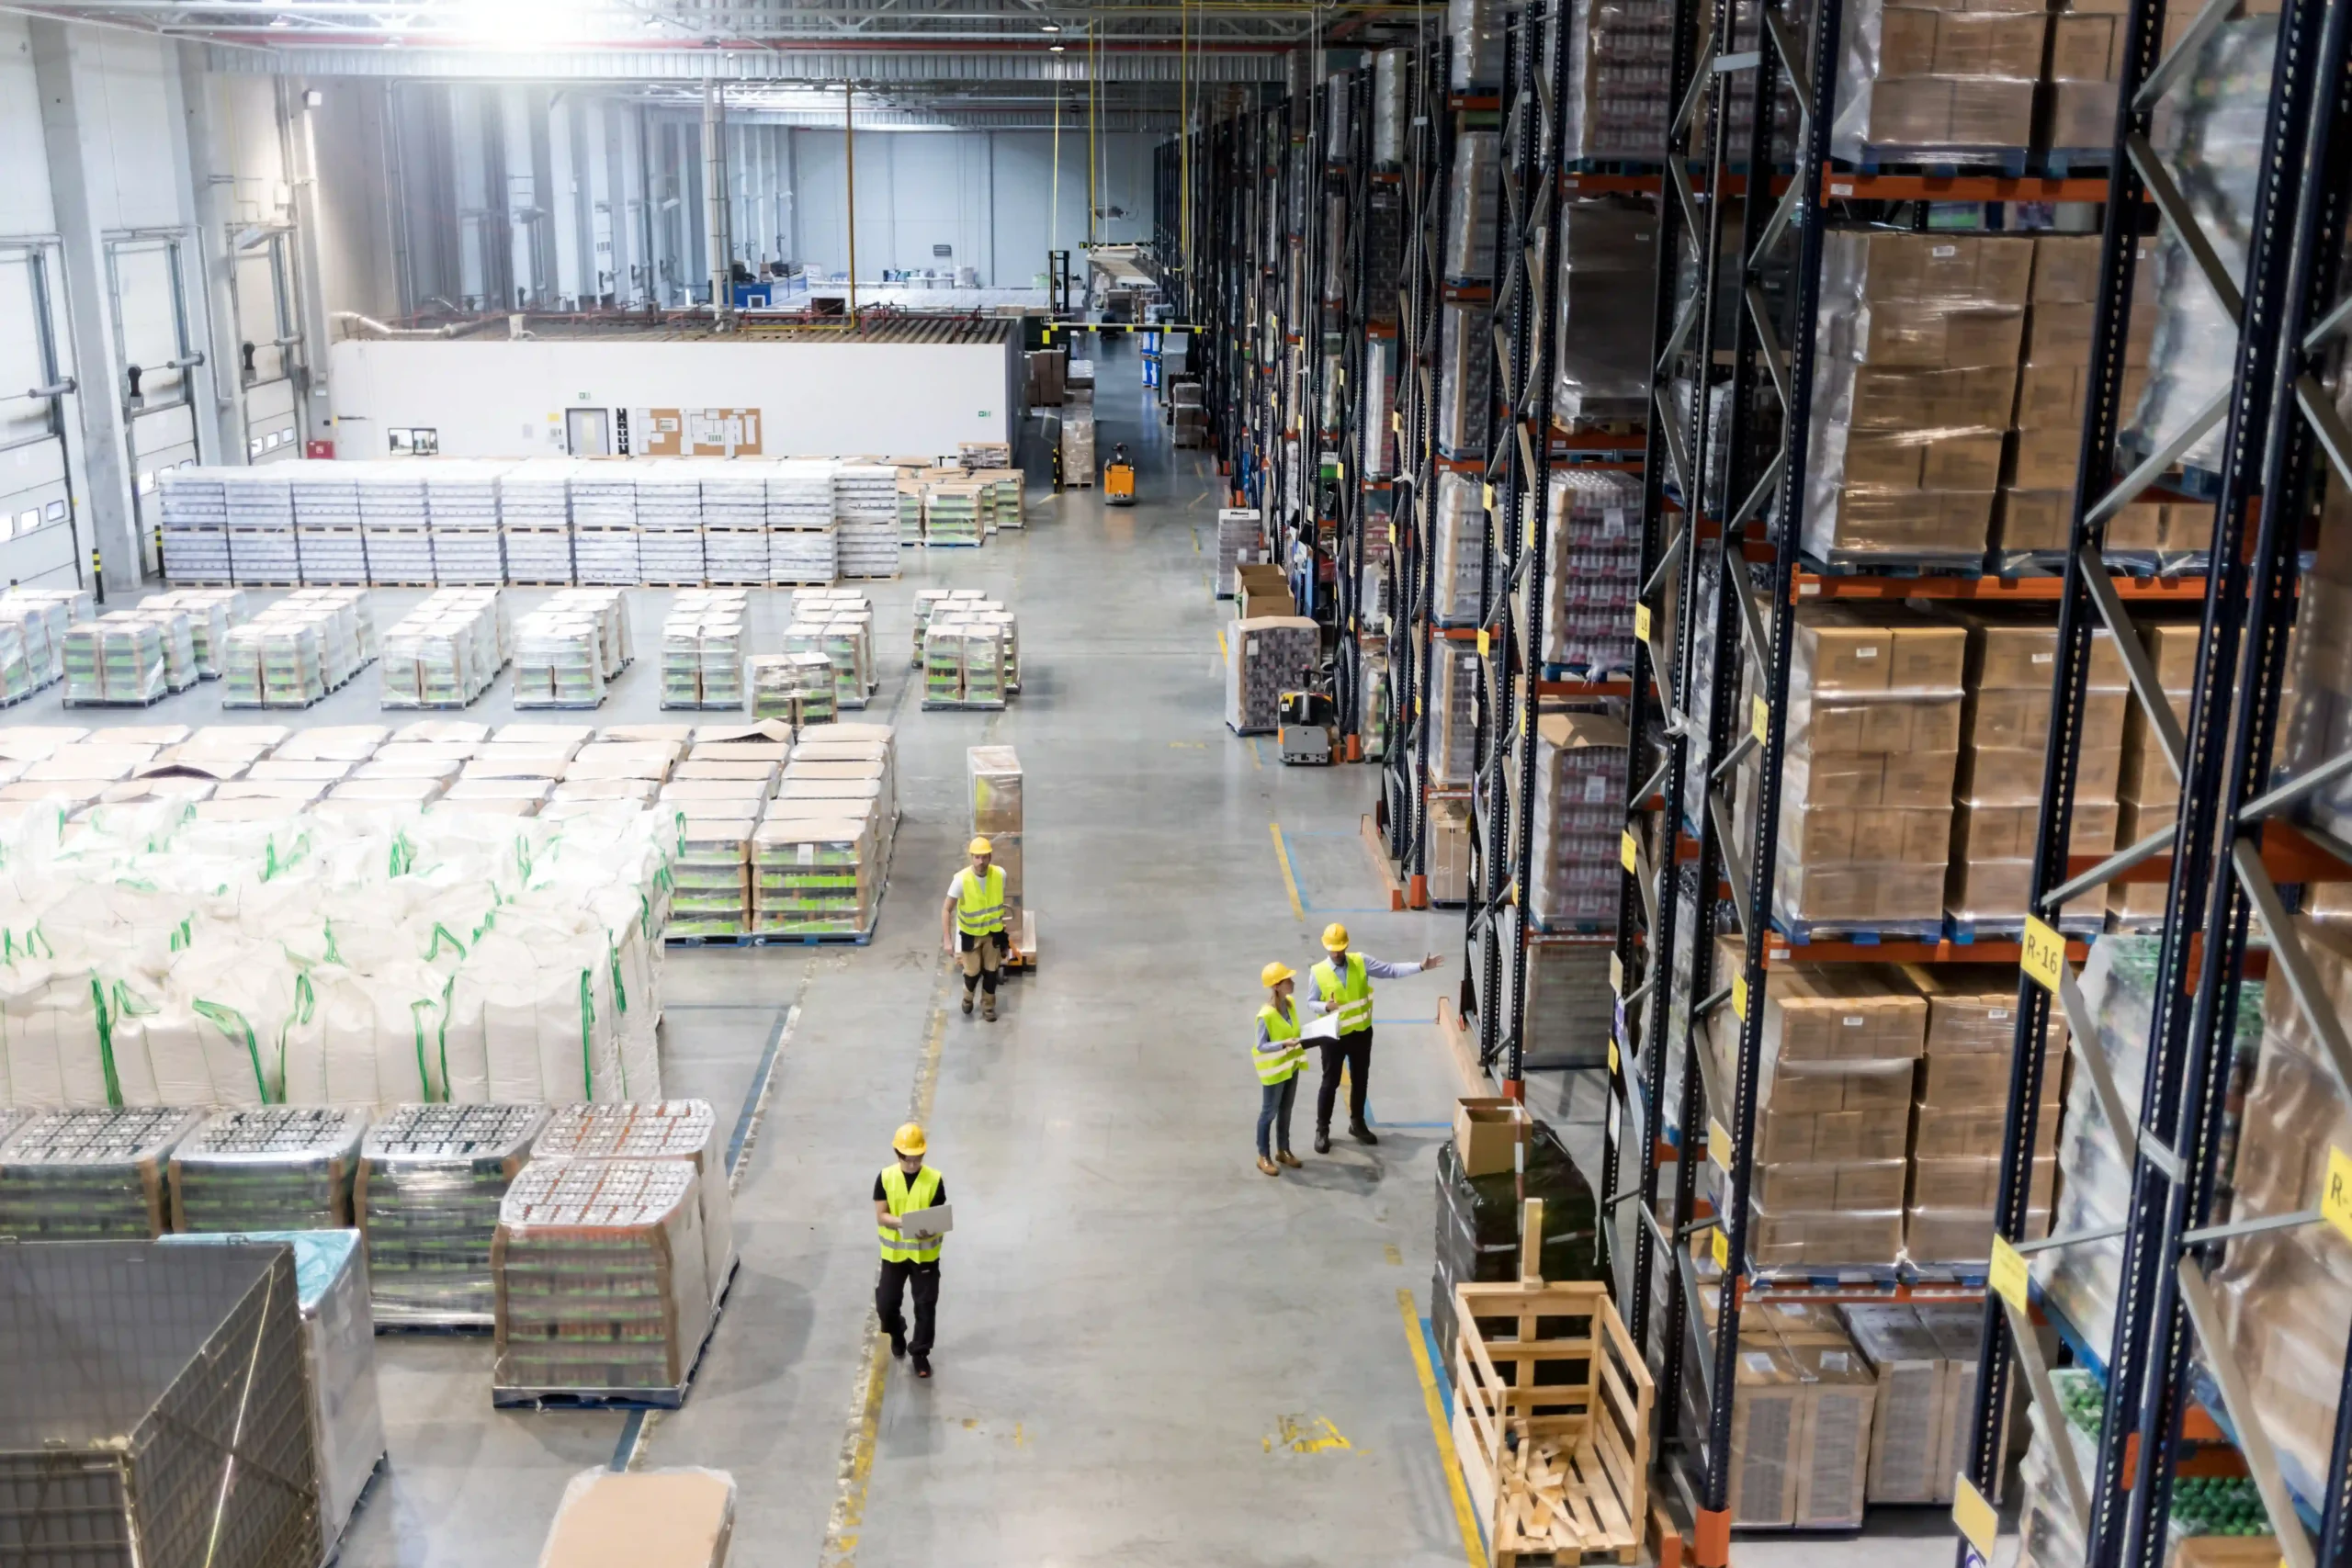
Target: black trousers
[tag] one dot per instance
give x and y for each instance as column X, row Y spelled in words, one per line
column 1352, row 1050
column 888, row 1291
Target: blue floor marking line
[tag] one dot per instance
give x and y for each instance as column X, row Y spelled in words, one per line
column 1438, row 1364
column 759, row 1084
column 626, row 1449
column 1307, row 903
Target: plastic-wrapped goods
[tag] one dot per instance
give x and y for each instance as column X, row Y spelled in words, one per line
column 1376, row 413
column 1593, row 569
column 1577, row 816
column 115, row 660
column 601, row 1285
column 1458, row 569
column 1476, row 35
column 816, row 875
column 42, row 620
column 1608, row 274
column 1922, row 84
column 346, row 1421
column 91, row 1175
column 1959, row 1101
column 1472, row 198
column 802, row 555
column 431, row 1177
column 17, row 673
column 951, row 512
column 1478, row 1222
column 559, row 662
column 984, row 663
column 2283, row 1292
column 702, row 656
column 267, row 1167
column 1453, row 687
column 795, row 687
column 157, row 1409
column 1390, row 68
column 2207, row 132
column 1833, row 1112
column 2118, row 984
column 211, row 613
column 194, row 513
column 2319, row 723
column 668, row 1129
column 1620, row 62
column 994, row 772
column 429, row 664
column 1267, row 656
column 712, row 896
column 1925, row 1359
column 2003, row 736
column 1920, row 334
column 1466, row 380
column 1873, row 747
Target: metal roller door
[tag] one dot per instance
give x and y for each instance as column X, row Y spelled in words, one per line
column 266, row 342
column 158, row 354
column 37, row 540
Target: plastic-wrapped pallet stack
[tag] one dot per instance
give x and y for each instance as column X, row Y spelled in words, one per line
column 1925, row 1359
column 866, row 518
column 669, row 523
column 326, row 519
column 17, row 671
column 211, row 613
column 816, row 868
column 90, row 1175
column 1475, row 60
column 1608, row 270
column 702, row 645
column 45, row 613
column 1006, row 488
column 2147, row 795
column 1832, row 1119
column 178, row 637
column 951, row 512
column 195, row 519
column 1958, row 1114
column 461, row 505
column 1078, row 444
column 1580, row 765
column 683, row 1130
column 259, row 518
column 1265, row 657
column 1925, row 83
column 2003, row 737
column 603, row 524
column 909, row 500
column 1921, row 337
column 1872, row 749
column 1619, row 66
column 1465, row 387
column 534, row 519
column 559, row 661
column 795, row 687
column 608, row 607
column 1478, row 1216
column 994, row 775
column 447, row 651
column 268, row 1167
column 1454, row 688
column 735, row 521
column 602, row 1284
column 115, row 661
column 352, row 614
column 1595, row 568
column 712, row 874
column 1471, row 197
column 1458, row 567
column 431, row 1179
column 395, row 523
column 1240, row 536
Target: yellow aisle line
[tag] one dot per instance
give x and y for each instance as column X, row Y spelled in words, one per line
column 1474, row 1545
column 1220, row 643
column 1282, row 853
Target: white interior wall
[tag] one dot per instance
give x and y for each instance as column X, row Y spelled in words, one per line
column 505, row 398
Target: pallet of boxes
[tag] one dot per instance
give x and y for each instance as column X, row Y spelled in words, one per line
column 994, row 772
column 1271, row 650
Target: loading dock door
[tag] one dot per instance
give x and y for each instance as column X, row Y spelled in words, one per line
column 36, row 537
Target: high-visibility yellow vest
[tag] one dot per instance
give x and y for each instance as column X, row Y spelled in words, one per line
column 903, row 1195
column 1283, row 1053
column 980, row 902
column 1351, row 996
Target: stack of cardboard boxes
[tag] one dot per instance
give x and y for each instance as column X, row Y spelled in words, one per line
column 1873, row 746
column 1959, row 1116
column 1946, row 81
column 2147, row 793
column 2005, row 735
column 1800, row 1421
column 1581, row 783
column 1925, row 1359
column 1918, row 339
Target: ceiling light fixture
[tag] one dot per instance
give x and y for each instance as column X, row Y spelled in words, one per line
column 1054, row 48
column 1053, row 26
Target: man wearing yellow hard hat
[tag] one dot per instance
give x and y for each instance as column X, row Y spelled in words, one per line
column 1279, row 1056
column 907, row 1184
column 971, row 924
column 1343, row 986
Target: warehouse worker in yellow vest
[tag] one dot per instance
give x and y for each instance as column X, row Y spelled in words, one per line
column 1280, row 1056
column 971, row 924
column 908, row 1184
column 1343, row 984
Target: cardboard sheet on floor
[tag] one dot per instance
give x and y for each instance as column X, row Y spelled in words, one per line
column 654, row 1518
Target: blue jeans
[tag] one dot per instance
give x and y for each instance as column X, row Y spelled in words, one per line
column 1273, row 1107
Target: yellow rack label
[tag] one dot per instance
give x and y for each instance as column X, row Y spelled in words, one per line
column 1976, row 1518
column 1612, row 1059
column 2335, row 1198
column 1759, row 718
column 1486, row 497
column 1739, row 996
column 2043, row 955
column 1626, row 848
column 1640, row 623
column 2007, row 1276
column 1718, row 1143
column 1484, row 642
column 1616, row 974
column 1723, row 1248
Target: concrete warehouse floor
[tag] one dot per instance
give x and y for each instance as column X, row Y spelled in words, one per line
column 1149, row 1352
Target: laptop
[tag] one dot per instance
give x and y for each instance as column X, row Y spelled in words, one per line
column 938, row 1220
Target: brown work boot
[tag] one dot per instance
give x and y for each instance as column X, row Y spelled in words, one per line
column 988, row 1007
column 1269, row 1166
column 967, row 1004
column 1288, row 1158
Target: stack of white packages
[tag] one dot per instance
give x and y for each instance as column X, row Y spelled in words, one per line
column 610, row 608
column 272, row 662
column 735, row 520
column 326, row 519
column 462, row 501
column 702, row 645
column 803, row 539
column 179, row 641
column 669, row 522
column 795, row 687
column 534, row 519
column 16, row 670
column 195, row 516
column 211, row 613
column 258, row 513
column 394, row 519
column 115, row 660
column 45, row 613
column 865, row 499
column 559, row 660
column 603, row 524
column 670, row 1129
column 306, row 961
column 354, row 613
column 447, row 651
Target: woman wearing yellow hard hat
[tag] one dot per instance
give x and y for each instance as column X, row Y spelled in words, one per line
column 1279, row 1056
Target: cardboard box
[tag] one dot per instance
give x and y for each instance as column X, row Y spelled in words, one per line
column 1484, row 1133
column 1956, row 1132
column 1819, row 1240
column 647, row 1518
column 1919, row 779
column 1836, row 1013
column 1974, row 1181
column 1767, row 1427
column 1262, row 593
column 1829, row 725
column 2065, row 266
column 1893, row 460
column 1841, row 1396
column 1915, row 41
column 1894, row 400
column 1929, row 112
column 1930, row 334
column 1839, row 652
column 1881, row 265
column 1971, row 1006
column 2077, row 114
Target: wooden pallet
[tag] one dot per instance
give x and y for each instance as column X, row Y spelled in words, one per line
column 1551, row 1417
column 1021, row 946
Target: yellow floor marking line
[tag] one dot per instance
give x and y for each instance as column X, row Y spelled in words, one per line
column 1220, row 644
column 1257, row 758
column 1390, row 1256
column 1298, row 1434
column 1289, row 882
column 847, row 1519
column 1474, row 1545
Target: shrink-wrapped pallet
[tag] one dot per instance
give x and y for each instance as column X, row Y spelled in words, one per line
column 994, row 775
column 91, row 1175
column 601, row 1288
column 817, row 868
column 1576, row 818
column 1465, row 380
column 1922, row 84
column 1455, row 672
column 559, row 662
column 1608, row 275
column 668, row 1129
column 431, row 1179
column 712, row 876
column 795, row 687
column 1476, row 33
column 1266, row 657
column 1471, row 197
column 1593, row 570
column 267, row 1167
column 1458, row 569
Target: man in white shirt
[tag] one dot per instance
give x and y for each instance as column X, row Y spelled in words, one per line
column 1342, row 984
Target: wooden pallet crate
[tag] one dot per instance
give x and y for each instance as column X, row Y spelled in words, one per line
column 1551, row 1417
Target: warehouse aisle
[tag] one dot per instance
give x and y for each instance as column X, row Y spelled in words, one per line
column 1149, row 1352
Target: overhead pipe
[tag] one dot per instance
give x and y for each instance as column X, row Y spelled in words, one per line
column 352, row 324
column 719, row 250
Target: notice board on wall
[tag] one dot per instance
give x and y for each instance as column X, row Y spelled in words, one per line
column 695, row 432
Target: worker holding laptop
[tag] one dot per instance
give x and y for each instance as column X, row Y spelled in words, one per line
column 912, row 1218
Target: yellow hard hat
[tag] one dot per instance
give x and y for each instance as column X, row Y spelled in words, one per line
column 980, row 847
column 1274, row 974
column 909, row 1139
column 1335, row 937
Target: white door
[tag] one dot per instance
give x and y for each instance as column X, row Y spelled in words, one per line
column 152, row 331
column 266, row 342
column 36, row 500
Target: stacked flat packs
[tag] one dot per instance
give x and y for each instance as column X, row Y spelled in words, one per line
column 1471, row 202
column 795, row 687
column 711, row 876
column 703, row 645
column 603, row 524
column 195, row 521
column 669, row 523
column 353, row 642
column 91, row 1175
column 735, row 521
column 326, row 520
column 601, row 1285
column 803, row 554
column 816, row 875
column 1007, row 487
column 534, row 519
column 668, row 1129
column 396, row 521
column 338, row 1353
column 211, row 613
column 559, row 661
column 608, row 607
column 260, row 526
column 115, row 661
column 267, row 1167
column 865, row 501
column 951, row 513
column 44, row 614
column 461, row 502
